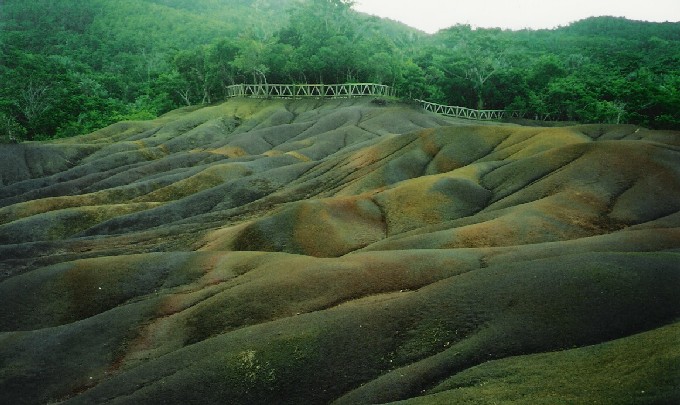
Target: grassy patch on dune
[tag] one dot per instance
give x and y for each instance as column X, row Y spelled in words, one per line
column 644, row 368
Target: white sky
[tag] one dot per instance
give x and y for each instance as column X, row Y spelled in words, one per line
column 433, row 15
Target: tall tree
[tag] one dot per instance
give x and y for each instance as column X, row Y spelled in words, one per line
column 323, row 33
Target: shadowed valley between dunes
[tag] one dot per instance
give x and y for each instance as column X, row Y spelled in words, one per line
column 340, row 251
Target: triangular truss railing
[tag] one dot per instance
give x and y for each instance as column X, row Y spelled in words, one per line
column 349, row 90
column 346, row 90
column 469, row 113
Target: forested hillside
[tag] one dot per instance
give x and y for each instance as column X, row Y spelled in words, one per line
column 73, row 66
column 69, row 67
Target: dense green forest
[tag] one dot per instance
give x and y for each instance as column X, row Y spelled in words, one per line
column 69, row 67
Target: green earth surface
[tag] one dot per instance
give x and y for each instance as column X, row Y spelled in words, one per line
column 340, row 251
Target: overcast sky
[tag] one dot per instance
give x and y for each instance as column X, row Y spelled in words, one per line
column 432, row 15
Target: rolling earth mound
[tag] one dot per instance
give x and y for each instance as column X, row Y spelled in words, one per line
column 340, row 251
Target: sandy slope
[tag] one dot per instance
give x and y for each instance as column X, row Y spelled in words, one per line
column 277, row 251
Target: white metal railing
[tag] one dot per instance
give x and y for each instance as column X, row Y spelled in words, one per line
column 346, row 90
column 469, row 113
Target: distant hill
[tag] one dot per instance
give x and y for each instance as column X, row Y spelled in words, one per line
column 624, row 28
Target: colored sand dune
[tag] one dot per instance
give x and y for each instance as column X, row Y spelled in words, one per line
column 280, row 251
